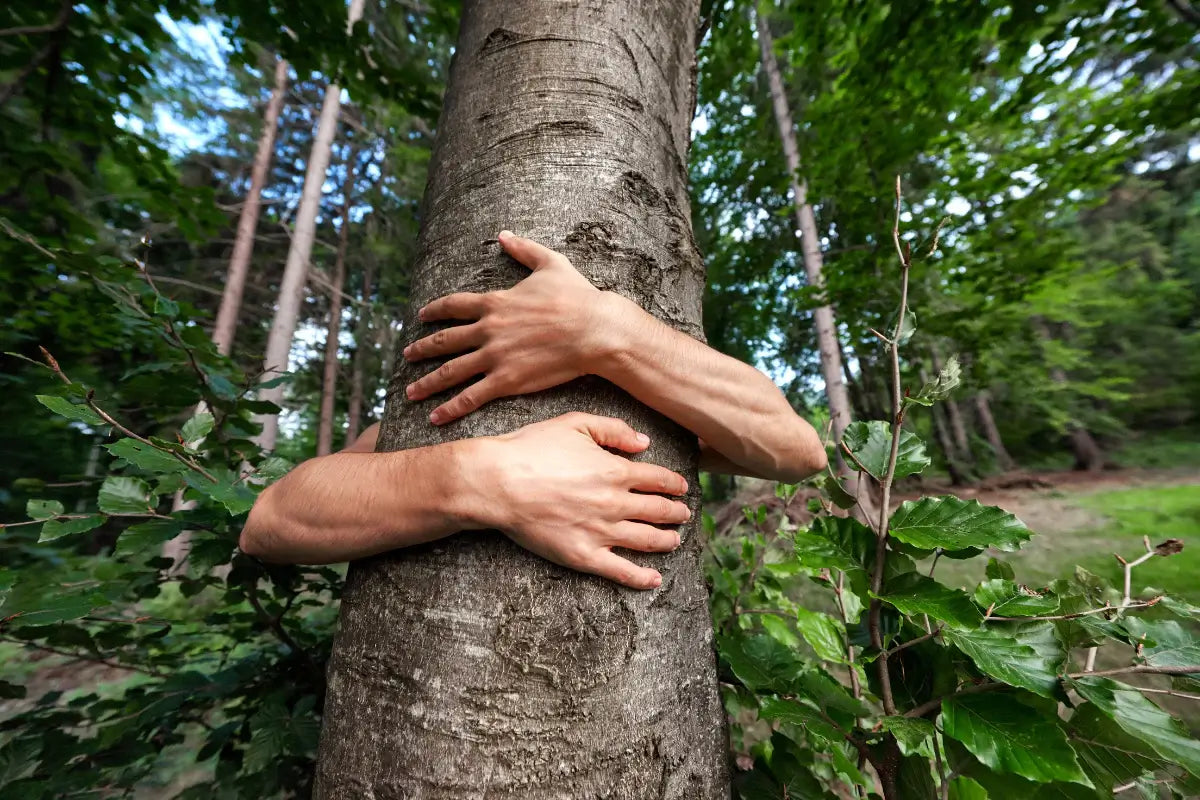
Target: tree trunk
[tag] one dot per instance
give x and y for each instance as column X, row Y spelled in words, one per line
column 958, row 427
column 945, row 443
column 330, row 367
column 470, row 668
column 243, row 245
column 983, row 409
column 810, row 240
column 362, row 331
column 295, row 271
column 1088, row 455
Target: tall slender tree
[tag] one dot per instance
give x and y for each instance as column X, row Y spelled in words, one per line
column 295, row 271
column 330, row 367
column 810, row 239
column 243, row 245
column 470, row 668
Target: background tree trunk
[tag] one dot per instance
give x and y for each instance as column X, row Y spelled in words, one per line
column 810, row 240
column 362, row 332
column 983, row 410
column 295, row 271
column 470, row 668
column 243, row 245
column 329, row 369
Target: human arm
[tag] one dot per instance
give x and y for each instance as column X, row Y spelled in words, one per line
column 551, row 487
column 555, row 326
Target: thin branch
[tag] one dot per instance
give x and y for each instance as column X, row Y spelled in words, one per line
column 1142, row 669
column 936, row 703
column 82, row 657
column 64, row 13
column 935, row 632
column 1075, row 615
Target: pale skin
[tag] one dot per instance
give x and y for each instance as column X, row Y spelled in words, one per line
column 552, row 487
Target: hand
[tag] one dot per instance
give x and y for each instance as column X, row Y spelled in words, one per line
column 554, row 490
column 550, row 328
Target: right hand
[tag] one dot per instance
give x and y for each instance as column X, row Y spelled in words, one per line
column 558, row 493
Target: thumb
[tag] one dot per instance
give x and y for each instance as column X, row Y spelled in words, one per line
column 529, row 252
column 611, row 432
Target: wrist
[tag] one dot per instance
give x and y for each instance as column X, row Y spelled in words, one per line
column 470, row 471
column 619, row 320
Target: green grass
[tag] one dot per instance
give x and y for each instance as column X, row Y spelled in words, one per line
column 1096, row 525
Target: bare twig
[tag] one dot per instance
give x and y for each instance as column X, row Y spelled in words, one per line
column 935, row 632
column 1075, row 615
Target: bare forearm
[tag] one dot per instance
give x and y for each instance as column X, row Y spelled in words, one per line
column 352, row 504
column 736, row 410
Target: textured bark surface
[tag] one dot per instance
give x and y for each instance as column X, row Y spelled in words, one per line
column 810, row 240
column 469, row 668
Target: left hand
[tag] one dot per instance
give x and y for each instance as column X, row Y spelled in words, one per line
column 550, row 328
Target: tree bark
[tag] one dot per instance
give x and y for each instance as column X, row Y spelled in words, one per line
column 295, row 271
column 332, row 332
column 983, row 409
column 362, row 331
column 810, row 240
column 470, row 668
column 243, row 245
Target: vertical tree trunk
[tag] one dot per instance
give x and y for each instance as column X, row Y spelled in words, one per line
column 1088, row 455
column 983, row 409
column 470, row 668
column 958, row 427
column 243, row 244
column 810, row 240
column 330, row 367
column 945, row 443
column 362, row 331
column 295, row 271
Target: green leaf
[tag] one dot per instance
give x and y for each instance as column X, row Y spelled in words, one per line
column 11, row 691
column 124, row 495
column 913, row 593
column 1028, row 655
column 1009, row 599
column 760, row 662
column 967, row 789
column 56, row 529
column 835, row 543
column 819, row 687
column 145, row 457
column 43, row 509
column 802, row 715
column 1109, row 755
column 914, row 779
column 1142, row 719
column 165, row 306
column 273, row 468
column 955, row 524
column 196, row 428
column 823, row 633
column 65, row 408
column 912, row 733
column 19, row 760
column 228, row 490
column 837, row 493
column 147, row 538
column 1010, row 737
column 38, row 604
column 1166, row 643
column 941, row 386
column 997, row 569
column 871, row 444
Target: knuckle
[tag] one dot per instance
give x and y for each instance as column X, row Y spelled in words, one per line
column 439, row 338
column 468, row 401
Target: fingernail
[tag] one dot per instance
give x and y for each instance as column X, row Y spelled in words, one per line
column 436, row 416
column 407, row 351
column 689, row 514
column 504, row 234
column 656, row 581
column 685, row 486
column 421, row 313
column 643, row 439
column 411, row 391
column 678, row 540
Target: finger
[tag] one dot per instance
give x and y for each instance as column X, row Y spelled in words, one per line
column 463, row 305
column 466, row 401
column 608, row 564
column 529, row 252
column 452, row 373
column 609, row 432
column 657, row 510
column 653, row 478
column 445, row 342
column 643, row 537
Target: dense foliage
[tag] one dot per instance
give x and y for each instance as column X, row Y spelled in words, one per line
column 1056, row 141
